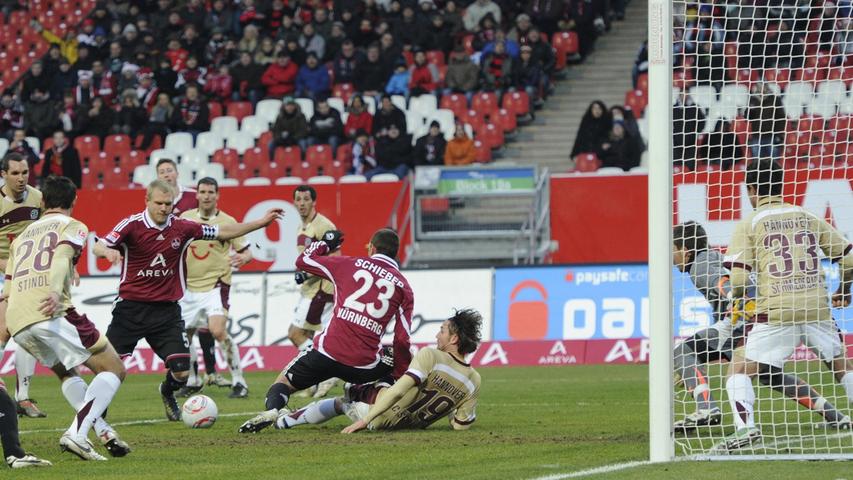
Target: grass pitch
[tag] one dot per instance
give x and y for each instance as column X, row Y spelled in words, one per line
column 531, row 422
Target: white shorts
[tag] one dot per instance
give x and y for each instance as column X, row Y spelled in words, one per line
column 59, row 341
column 197, row 307
column 312, row 314
column 773, row 344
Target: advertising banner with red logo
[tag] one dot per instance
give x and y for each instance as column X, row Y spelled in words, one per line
column 604, row 219
column 357, row 209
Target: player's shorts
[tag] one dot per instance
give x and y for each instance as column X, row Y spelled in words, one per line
column 159, row 323
column 69, row 340
column 197, row 307
column 772, row 344
column 311, row 367
column 314, row 313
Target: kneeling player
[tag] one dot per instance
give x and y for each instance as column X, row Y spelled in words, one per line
column 437, row 383
column 720, row 341
column 15, row 456
column 43, row 321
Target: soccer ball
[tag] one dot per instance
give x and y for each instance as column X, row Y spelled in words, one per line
column 199, row 411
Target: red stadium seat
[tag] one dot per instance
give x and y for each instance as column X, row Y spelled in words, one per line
column 101, row 162
column 240, row 172
column 116, row 178
column 239, row 110
column 442, row 74
column 841, row 124
column 344, row 156
column 484, row 153
column 229, row 159
column 474, row 118
column 492, row 136
column 319, row 157
column 682, row 78
column 844, row 74
column 409, row 56
column 435, row 57
column 485, row 102
column 87, row 146
column 455, row 102
column 343, row 91
column 131, row 160
column 215, row 109
column 156, row 143
column 517, row 102
column 636, row 101
column 746, row 77
column 587, row 162
column 90, row 180
column 779, row 76
column 117, row 145
column 290, row 159
column 468, row 42
column 256, row 159
column 505, row 120
column 810, row 74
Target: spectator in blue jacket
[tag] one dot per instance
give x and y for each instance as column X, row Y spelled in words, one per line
column 398, row 84
column 512, row 47
column 312, row 81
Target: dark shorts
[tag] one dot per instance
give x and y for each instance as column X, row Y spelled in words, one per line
column 159, row 323
column 312, row 367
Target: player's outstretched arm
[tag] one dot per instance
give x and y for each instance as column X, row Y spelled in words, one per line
column 102, row 251
column 229, row 231
column 841, row 297
column 383, row 403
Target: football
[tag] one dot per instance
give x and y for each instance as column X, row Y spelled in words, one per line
column 199, row 411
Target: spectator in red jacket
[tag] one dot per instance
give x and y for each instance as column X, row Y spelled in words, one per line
column 424, row 76
column 359, row 118
column 177, row 55
column 280, row 77
column 219, row 85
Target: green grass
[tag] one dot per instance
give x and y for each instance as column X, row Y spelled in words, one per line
column 531, row 422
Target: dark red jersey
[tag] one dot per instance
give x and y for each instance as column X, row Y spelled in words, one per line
column 370, row 292
column 185, row 201
column 154, row 268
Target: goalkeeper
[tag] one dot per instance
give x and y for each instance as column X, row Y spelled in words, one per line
column 722, row 339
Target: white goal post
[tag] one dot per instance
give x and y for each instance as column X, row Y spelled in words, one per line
column 733, row 85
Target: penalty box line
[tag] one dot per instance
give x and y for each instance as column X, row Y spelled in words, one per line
column 615, row 467
column 131, row 423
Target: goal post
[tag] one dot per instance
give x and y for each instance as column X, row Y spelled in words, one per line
column 731, row 84
column 659, row 115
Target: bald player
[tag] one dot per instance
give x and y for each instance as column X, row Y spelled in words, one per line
column 19, row 207
column 205, row 303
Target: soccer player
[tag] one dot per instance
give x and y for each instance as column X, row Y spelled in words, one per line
column 723, row 340
column 20, row 206
column 150, row 246
column 42, row 319
column 205, row 304
column 15, row 456
column 314, row 309
column 438, row 382
column 779, row 243
column 370, row 292
column 185, row 200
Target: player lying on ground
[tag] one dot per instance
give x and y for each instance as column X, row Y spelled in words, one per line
column 19, row 207
column 723, row 340
column 437, row 383
column 204, row 306
column 154, row 242
column 779, row 242
column 15, row 456
column 42, row 319
column 370, row 292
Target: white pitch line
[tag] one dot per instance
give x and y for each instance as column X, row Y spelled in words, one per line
column 595, row 471
column 132, row 422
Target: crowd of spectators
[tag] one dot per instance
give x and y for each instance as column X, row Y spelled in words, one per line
column 612, row 135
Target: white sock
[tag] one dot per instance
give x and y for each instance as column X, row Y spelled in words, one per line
column 847, row 382
column 193, row 380
column 74, row 390
column 313, row 413
column 98, row 397
column 305, row 345
column 25, row 367
column 741, row 398
column 232, row 356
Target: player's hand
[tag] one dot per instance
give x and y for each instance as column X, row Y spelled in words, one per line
column 355, row 427
column 840, row 298
column 113, row 256
column 333, row 239
column 300, row 277
column 75, row 278
column 272, row 215
column 240, row 259
column 49, row 305
column 743, row 309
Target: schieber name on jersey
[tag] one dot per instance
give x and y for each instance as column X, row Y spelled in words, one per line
column 378, row 271
column 597, row 277
column 154, row 271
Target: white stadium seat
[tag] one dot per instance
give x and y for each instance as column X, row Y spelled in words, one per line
column 289, row 181
column 144, row 174
column 268, row 109
column 229, row 182
column 414, row 121
column 307, row 107
column 240, row 141
column 704, row 96
column 179, row 142
column 797, row 96
column 425, row 104
column 254, row 125
column 821, row 107
column 352, row 179
column 384, row 178
column 186, row 175
column 446, row 120
column 257, row 182
column 399, row 101
column 610, row 171
column 370, row 103
column 213, row 170
column 162, row 153
column 337, row 103
column 834, row 91
column 209, row 142
column 224, row 126
column 194, row 159
column 321, row 179
column 4, row 145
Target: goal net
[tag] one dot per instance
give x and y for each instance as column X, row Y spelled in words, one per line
column 759, row 83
